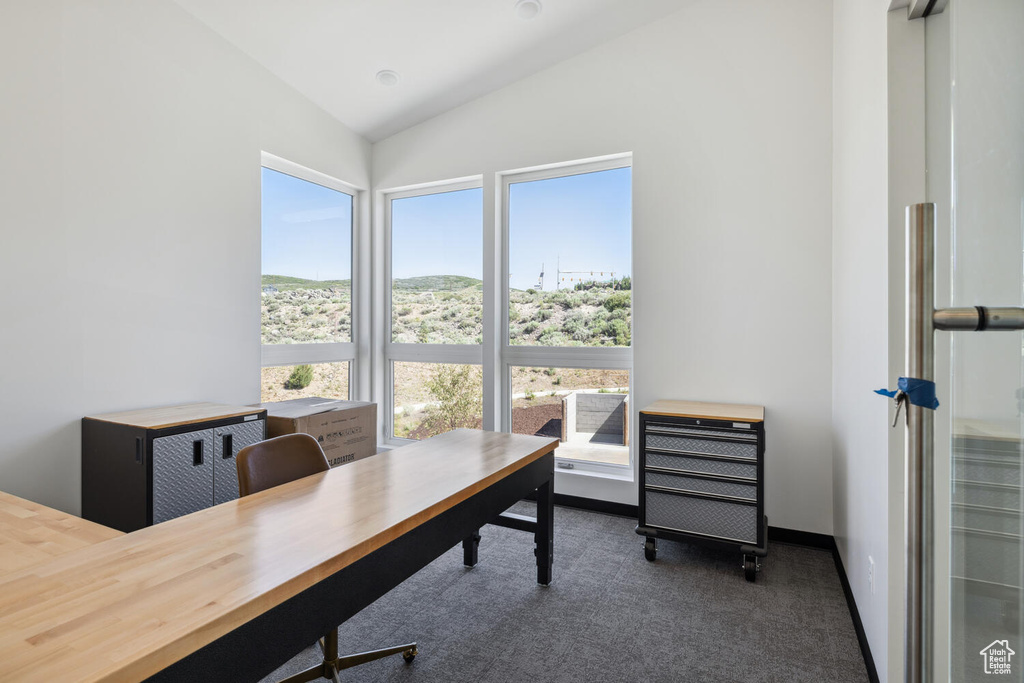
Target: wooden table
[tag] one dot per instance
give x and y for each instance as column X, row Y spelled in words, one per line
column 231, row 592
column 31, row 534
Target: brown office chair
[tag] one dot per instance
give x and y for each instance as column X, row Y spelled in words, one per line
column 278, row 461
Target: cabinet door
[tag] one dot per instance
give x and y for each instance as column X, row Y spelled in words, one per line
column 227, row 441
column 182, row 474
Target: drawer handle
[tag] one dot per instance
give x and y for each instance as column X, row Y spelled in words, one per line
column 226, row 444
column 197, row 452
column 711, row 476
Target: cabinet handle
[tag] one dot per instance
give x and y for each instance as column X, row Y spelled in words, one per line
column 197, row 452
column 138, row 449
column 226, row 446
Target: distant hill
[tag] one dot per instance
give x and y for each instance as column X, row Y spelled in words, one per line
column 285, row 283
column 434, row 283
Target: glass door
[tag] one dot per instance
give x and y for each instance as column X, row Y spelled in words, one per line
column 975, row 132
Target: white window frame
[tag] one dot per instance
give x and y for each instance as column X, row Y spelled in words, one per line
column 273, row 355
column 460, row 354
column 584, row 357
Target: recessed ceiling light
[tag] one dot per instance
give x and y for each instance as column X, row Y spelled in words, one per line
column 388, row 77
column 528, row 9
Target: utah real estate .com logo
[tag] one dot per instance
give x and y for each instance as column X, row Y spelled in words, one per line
column 997, row 657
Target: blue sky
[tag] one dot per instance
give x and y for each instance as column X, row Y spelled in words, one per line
column 438, row 234
column 307, row 229
column 580, row 223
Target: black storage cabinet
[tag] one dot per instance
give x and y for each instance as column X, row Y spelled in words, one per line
column 144, row 467
column 702, row 478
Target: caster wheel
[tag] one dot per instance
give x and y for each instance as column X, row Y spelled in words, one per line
column 410, row 655
column 650, row 549
column 750, row 567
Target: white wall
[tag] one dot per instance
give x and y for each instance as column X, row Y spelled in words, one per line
column 726, row 106
column 860, row 300
column 130, row 213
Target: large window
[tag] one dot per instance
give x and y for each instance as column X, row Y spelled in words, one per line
column 569, row 259
column 569, row 301
column 435, row 316
column 306, row 288
column 551, row 296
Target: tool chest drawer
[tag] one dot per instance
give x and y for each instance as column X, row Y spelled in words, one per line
column 702, row 477
column 715, row 487
column 682, row 463
column 674, row 443
column 705, row 516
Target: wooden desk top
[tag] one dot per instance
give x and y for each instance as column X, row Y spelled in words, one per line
column 175, row 416
column 712, row 411
column 31, row 534
column 125, row 608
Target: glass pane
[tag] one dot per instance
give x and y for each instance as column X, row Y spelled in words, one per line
column 570, row 260
column 437, row 268
column 987, row 209
column 307, row 261
column 326, row 380
column 587, row 410
column 434, row 398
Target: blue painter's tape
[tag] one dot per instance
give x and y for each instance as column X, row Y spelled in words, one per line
column 920, row 392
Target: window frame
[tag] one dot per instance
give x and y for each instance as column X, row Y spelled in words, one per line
column 584, row 357
column 275, row 355
column 413, row 352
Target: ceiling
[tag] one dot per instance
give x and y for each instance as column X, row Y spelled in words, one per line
column 446, row 52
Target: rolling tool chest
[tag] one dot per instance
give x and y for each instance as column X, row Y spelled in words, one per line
column 702, row 477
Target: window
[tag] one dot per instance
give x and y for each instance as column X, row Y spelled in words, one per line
column 569, row 260
column 437, row 268
column 568, row 330
column 435, row 295
column 587, row 409
column 433, row 398
column 306, row 285
column 284, row 382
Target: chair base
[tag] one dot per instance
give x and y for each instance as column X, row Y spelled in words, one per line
column 333, row 664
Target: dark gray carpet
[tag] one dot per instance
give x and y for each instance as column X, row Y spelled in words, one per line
column 609, row 615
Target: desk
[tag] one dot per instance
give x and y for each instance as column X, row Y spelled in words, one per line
column 252, row 582
column 32, row 534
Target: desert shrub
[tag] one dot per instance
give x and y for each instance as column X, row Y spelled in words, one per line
column 423, row 333
column 549, row 372
column 616, row 301
column 467, row 323
column 543, row 314
column 459, row 402
column 530, row 395
column 513, row 314
column 619, row 331
column 307, row 309
column 551, row 336
column 273, row 306
column 530, row 327
column 573, row 301
column 557, row 381
column 531, row 291
column 403, row 311
column 619, row 314
column 301, row 377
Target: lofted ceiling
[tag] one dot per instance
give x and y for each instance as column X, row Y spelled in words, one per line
column 446, row 52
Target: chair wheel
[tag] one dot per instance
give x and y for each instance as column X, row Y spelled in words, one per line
column 410, row 655
column 750, row 567
column 650, row 549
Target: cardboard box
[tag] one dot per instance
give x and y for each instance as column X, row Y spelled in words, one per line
column 346, row 430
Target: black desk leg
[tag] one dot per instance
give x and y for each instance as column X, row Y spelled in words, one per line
column 545, row 534
column 470, row 546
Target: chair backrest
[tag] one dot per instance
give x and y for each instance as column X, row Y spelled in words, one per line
column 278, row 461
